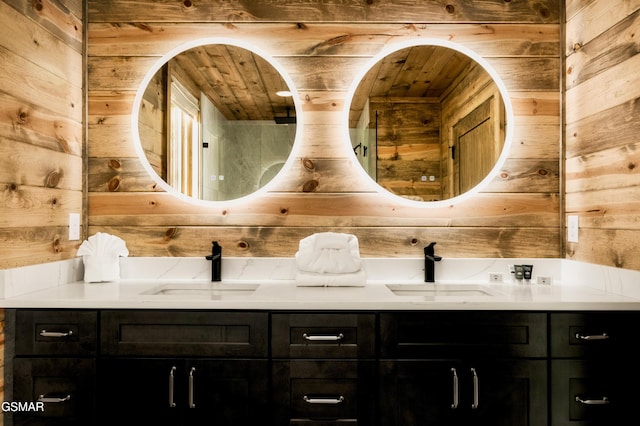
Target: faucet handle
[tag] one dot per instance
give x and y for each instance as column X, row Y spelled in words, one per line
column 429, row 250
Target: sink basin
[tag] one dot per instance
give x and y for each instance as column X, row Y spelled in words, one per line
column 203, row 290
column 438, row 290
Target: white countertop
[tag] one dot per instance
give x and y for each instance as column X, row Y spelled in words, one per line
column 277, row 290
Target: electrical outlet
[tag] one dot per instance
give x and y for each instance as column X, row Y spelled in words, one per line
column 495, row 277
column 74, row 226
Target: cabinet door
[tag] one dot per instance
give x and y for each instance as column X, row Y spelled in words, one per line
column 455, row 392
column 183, row 392
column 63, row 389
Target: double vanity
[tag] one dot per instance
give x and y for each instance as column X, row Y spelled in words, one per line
column 165, row 345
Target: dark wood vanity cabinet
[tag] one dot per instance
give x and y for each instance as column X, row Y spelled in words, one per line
column 463, row 368
column 323, row 368
column 183, row 367
column 594, row 380
column 54, row 366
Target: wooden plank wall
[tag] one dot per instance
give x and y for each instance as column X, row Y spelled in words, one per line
column 41, row 133
column 602, row 130
column 322, row 45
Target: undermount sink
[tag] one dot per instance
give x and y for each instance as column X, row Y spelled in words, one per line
column 438, row 290
column 212, row 290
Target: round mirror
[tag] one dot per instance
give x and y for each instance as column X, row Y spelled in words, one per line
column 428, row 121
column 215, row 120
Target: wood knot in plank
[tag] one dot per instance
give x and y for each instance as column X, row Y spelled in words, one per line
column 170, row 234
column 22, row 117
column 114, row 184
column 243, row 245
column 115, row 164
column 37, row 5
column 55, row 245
column 310, row 185
column 301, row 26
column 308, row 165
column 450, row 8
column 53, row 179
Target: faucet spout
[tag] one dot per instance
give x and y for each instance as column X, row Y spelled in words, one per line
column 429, row 263
column 216, row 261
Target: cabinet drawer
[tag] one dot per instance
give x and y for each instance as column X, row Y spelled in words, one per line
column 323, row 335
column 306, row 392
column 446, row 334
column 593, row 334
column 63, row 386
column 187, row 334
column 58, row 333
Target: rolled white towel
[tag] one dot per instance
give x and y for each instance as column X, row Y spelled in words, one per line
column 312, row 279
column 329, row 252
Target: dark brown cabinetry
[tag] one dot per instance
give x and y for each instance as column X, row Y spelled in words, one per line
column 183, row 368
column 593, row 378
column 324, row 368
column 55, row 366
column 463, row 368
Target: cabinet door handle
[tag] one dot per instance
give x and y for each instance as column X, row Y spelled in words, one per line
column 54, row 399
column 325, row 338
column 603, row 336
column 603, row 401
column 45, row 333
column 476, row 390
column 172, row 404
column 191, row 404
column 323, row 400
column 456, row 391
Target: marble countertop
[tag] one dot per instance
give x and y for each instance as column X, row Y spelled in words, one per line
column 285, row 295
column 573, row 287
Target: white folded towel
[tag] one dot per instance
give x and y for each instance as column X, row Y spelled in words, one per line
column 100, row 255
column 312, row 279
column 329, row 252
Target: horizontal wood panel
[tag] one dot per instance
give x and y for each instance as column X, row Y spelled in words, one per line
column 25, row 206
column 610, row 247
column 323, row 38
column 31, row 245
column 375, row 242
column 162, row 209
column 541, row 11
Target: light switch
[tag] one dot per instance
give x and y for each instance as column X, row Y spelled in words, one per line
column 572, row 228
column 74, row 226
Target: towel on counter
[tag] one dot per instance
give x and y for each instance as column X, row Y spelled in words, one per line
column 100, row 255
column 313, row 279
column 329, row 252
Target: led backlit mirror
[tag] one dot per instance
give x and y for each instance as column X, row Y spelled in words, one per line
column 216, row 121
column 429, row 121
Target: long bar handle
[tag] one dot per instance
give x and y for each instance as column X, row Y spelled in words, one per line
column 603, row 401
column 323, row 400
column 45, row 333
column 476, row 390
column 54, row 399
column 325, row 338
column 456, row 390
column 172, row 373
column 191, row 403
column 603, row 336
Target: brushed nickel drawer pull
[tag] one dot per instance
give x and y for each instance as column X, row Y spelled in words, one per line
column 456, row 391
column 172, row 403
column 54, row 399
column 324, row 338
column 476, row 390
column 603, row 336
column 45, row 333
column 603, row 401
column 323, row 400
column 191, row 404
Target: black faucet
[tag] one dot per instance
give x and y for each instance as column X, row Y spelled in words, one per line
column 429, row 263
column 216, row 261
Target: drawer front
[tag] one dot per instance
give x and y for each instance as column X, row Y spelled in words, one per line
column 588, row 393
column 62, row 390
column 56, row 332
column 187, row 334
column 449, row 334
column 327, row 390
column 593, row 334
column 323, row 335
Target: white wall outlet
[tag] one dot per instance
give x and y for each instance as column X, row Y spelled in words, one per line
column 572, row 228
column 495, row 277
column 74, row 226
